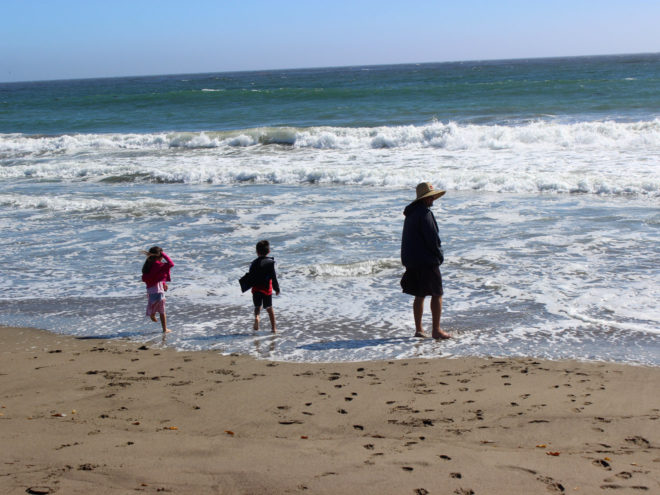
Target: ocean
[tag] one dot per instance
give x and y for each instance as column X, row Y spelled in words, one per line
column 550, row 224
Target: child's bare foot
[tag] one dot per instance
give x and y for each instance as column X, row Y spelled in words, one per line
column 167, row 330
column 441, row 335
column 256, row 323
column 421, row 335
column 153, row 318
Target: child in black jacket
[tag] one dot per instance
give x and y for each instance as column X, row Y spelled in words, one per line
column 264, row 282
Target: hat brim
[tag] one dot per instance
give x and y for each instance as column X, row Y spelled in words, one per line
column 433, row 194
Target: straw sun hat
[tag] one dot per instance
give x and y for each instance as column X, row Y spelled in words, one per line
column 425, row 190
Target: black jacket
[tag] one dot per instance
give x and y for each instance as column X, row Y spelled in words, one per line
column 420, row 243
column 261, row 271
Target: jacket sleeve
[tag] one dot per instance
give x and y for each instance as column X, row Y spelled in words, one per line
column 429, row 230
column 168, row 259
column 276, row 284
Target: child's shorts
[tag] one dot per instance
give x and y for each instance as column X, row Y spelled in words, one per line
column 260, row 298
column 156, row 304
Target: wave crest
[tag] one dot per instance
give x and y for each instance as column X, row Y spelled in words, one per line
column 450, row 136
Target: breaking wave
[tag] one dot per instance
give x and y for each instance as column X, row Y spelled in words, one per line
column 602, row 158
column 449, row 136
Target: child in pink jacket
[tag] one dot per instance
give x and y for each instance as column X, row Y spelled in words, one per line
column 156, row 274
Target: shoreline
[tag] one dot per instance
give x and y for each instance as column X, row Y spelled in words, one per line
column 81, row 415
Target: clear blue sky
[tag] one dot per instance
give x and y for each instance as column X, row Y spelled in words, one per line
column 63, row 39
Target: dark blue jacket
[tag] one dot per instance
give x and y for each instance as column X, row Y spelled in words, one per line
column 262, row 271
column 420, row 243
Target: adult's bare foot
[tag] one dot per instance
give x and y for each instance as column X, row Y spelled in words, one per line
column 441, row 335
column 421, row 335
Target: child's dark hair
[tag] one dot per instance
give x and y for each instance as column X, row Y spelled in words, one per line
column 152, row 255
column 263, row 248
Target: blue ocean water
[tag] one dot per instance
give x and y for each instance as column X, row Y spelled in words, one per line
column 550, row 223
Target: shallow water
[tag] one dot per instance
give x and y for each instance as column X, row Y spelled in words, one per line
column 549, row 276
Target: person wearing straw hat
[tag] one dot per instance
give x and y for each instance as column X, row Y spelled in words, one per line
column 421, row 254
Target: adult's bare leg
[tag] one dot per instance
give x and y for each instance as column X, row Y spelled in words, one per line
column 418, row 312
column 436, row 313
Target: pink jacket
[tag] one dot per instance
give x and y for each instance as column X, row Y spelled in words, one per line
column 160, row 272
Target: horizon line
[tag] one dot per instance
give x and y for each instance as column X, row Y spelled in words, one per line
column 244, row 71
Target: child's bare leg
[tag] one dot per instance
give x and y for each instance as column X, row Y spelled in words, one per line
column 163, row 323
column 271, row 315
column 256, row 317
column 153, row 317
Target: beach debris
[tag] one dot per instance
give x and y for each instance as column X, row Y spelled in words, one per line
column 135, row 423
column 304, row 437
column 553, row 453
column 171, row 428
column 541, row 446
column 229, row 432
column 73, row 411
column 58, row 415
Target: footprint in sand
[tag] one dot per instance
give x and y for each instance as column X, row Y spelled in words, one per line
column 551, row 484
column 602, row 463
column 639, row 441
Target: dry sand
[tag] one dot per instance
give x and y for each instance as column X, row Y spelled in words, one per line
column 94, row 416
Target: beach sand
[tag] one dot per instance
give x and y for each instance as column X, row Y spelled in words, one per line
column 80, row 416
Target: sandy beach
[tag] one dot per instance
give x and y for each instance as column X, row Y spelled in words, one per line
column 82, row 416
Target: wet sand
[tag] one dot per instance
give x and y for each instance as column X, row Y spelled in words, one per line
column 81, row 416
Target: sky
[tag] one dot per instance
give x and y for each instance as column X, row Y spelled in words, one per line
column 70, row 39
